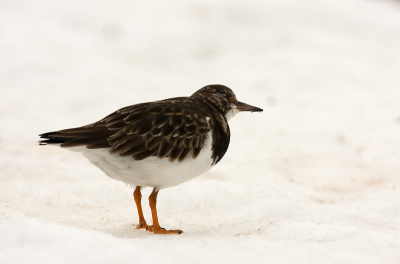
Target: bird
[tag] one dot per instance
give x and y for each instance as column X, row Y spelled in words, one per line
column 157, row 144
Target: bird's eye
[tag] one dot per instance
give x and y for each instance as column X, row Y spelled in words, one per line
column 223, row 92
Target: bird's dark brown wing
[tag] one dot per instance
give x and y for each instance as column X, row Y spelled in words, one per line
column 164, row 129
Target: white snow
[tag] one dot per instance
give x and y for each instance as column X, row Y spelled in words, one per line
column 315, row 178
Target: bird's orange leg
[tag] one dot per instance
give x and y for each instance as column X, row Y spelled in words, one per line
column 156, row 228
column 137, row 195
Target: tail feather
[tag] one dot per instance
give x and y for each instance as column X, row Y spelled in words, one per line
column 91, row 137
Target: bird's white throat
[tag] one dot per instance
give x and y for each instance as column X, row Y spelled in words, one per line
column 231, row 113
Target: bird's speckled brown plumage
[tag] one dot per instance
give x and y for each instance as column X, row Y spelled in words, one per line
column 174, row 128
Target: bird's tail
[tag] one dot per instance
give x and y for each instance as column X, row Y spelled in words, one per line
column 91, row 137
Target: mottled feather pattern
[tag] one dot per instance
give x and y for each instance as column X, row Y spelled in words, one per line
column 172, row 128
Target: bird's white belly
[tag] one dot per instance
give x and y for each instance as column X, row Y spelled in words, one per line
column 152, row 171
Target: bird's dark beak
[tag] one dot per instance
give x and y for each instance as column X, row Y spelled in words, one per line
column 245, row 107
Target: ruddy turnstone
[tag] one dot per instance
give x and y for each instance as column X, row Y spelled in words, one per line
column 157, row 144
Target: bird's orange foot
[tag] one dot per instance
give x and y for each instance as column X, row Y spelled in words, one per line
column 163, row 231
column 142, row 225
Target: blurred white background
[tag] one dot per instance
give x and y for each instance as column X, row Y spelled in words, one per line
column 315, row 178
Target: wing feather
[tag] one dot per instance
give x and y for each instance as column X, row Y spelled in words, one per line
column 171, row 128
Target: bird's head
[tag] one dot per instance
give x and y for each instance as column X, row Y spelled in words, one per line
column 224, row 99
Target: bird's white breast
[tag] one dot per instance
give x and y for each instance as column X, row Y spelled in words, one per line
column 152, row 171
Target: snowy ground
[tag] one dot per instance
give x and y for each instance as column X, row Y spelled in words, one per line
column 315, row 178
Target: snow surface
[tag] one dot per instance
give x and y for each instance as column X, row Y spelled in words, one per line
column 315, row 178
